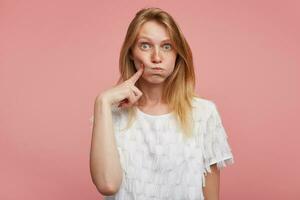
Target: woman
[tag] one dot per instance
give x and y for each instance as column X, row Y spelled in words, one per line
column 153, row 137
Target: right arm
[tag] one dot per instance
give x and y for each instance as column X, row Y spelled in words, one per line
column 105, row 164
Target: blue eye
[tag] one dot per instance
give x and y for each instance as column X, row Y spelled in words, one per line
column 144, row 44
column 169, row 46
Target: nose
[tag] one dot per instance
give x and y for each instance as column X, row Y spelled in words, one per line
column 156, row 58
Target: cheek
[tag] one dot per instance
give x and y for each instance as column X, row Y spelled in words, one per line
column 171, row 62
column 138, row 57
column 137, row 63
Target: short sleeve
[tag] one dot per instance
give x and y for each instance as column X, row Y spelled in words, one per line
column 215, row 141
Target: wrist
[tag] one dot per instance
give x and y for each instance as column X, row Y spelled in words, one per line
column 102, row 101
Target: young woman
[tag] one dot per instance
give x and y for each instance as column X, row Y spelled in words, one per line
column 153, row 137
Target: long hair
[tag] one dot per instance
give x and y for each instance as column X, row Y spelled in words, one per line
column 179, row 87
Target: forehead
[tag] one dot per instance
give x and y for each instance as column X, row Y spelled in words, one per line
column 154, row 31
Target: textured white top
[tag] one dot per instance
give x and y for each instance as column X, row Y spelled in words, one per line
column 158, row 164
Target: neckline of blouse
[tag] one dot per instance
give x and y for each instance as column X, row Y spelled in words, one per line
column 154, row 116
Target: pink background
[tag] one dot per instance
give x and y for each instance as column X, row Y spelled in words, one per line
column 56, row 56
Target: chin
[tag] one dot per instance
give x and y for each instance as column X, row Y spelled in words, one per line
column 155, row 80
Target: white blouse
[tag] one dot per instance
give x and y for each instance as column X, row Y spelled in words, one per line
column 157, row 162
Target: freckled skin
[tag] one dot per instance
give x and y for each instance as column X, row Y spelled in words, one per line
column 154, row 51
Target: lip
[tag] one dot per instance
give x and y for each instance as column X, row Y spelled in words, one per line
column 157, row 68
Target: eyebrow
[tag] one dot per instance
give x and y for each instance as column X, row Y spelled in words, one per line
column 144, row 37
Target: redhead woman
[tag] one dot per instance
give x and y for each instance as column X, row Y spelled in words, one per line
column 153, row 137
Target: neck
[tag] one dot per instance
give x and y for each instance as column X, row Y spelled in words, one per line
column 152, row 94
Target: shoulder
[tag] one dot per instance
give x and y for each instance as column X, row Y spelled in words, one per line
column 203, row 102
column 202, row 107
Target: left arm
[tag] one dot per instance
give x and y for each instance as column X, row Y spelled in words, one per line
column 212, row 184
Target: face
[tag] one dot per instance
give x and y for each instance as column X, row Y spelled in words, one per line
column 154, row 49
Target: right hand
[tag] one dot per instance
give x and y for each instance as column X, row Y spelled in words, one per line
column 125, row 94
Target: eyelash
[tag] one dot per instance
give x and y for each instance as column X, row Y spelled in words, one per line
column 142, row 43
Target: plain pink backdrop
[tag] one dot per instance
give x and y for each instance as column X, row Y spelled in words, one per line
column 56, row 56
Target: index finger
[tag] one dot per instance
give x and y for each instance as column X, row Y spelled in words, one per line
column 137, row 74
